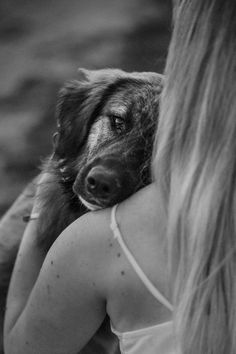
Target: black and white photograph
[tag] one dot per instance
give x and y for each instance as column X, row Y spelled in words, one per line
column 117, row 177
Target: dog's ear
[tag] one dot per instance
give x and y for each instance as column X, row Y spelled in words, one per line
column 85, row 74
column 77, row 105
column 73, row 114
column 70, row 99
column 107, row 74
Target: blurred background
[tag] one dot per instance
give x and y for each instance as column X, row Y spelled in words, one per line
column 42, row 43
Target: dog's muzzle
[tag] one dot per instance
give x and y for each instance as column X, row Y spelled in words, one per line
column 103, row 183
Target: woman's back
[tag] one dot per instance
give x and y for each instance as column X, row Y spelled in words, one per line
column 131, row 305
column 137, row 297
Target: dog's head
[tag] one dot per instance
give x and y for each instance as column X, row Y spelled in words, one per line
column 106, row 124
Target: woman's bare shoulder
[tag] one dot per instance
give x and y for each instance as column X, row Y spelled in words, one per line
column 142, row 223
column 89, row 239
column 141, row 211
column 88, row 236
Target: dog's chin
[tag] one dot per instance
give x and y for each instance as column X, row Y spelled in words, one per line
column 88, row 205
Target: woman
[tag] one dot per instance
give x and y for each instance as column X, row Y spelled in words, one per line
column 115, row 261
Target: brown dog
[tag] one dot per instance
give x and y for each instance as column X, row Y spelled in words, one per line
column 103, row 145
column 102, row 150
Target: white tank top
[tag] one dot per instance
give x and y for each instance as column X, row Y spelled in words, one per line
column 157, row 339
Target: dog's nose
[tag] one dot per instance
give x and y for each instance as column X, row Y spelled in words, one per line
column 102, row 182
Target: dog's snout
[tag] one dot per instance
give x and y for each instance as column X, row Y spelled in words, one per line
column 102, row 182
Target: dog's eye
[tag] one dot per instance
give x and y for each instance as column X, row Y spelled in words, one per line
column 118, row 123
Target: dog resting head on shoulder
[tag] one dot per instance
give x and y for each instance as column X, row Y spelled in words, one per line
column 106, row 122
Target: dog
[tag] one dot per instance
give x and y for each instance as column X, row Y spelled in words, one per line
column 102, row 147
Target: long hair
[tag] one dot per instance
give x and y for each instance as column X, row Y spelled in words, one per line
column 195, row 165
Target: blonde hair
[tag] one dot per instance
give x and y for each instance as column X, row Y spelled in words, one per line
column 195, row 165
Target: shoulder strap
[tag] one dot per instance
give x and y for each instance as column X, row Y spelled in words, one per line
column 149, row 285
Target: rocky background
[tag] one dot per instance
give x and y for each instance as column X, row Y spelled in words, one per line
column 42, row 43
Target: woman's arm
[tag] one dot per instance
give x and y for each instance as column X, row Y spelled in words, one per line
column 12, row 228
column 58, row 309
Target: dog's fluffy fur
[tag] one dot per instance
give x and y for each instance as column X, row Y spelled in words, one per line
column 102, row 148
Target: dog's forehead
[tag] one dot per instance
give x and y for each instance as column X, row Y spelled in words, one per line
column 116, row 91
column 99, row 132
column 132, row 95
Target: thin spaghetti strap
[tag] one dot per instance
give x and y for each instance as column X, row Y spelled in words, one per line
column 149, row 285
